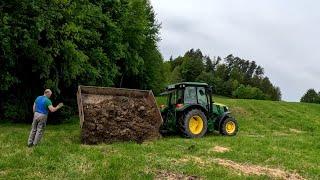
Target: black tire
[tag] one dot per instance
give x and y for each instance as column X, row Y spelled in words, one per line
column 224, row 130
column 185, row 120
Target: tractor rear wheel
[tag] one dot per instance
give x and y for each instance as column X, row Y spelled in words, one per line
column 193, row 124
column 229, row 127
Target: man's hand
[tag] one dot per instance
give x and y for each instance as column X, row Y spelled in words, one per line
column 54, row 109
column 60, row 105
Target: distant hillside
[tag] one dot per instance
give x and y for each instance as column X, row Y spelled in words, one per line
column 258, row 115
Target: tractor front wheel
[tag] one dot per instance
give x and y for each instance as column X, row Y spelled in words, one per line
column 229, row 127
column 194, row 124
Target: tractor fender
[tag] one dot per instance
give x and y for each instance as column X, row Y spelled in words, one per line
column 222, row 117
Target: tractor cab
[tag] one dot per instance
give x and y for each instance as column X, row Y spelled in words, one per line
column 186, row 94
column 191, row 110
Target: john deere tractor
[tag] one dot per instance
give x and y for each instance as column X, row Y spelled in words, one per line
column 191, row 111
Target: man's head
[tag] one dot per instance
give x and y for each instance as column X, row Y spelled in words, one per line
column 48, row 93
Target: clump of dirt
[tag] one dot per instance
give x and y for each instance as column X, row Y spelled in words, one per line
column 220, row 149
column 3, row 172
column 239, row 111
column 119, row 118
column 258, row 170
column 278, row 133
column 255, row 135
column 173, row 176
column 295, row 131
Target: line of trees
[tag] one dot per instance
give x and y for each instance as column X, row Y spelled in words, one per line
column 231, row 76
column 61, row 44
column 311, row 96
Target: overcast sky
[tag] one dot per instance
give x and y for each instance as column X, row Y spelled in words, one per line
column 281, row 35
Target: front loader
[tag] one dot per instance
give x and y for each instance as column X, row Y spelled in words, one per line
column 117, row 114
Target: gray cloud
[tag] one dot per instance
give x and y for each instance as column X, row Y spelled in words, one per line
column 281, row 35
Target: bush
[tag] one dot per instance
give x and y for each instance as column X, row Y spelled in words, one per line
column 62, row 115
column 14, row 110
column 248, row 92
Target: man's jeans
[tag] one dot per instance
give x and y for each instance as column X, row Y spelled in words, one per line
column 38, row 125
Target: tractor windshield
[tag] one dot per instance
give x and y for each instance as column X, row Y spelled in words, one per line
column 202, row 97
column 196, row 95
column 190, row 95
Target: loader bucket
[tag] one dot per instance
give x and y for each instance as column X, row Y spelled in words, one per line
column 117, row 114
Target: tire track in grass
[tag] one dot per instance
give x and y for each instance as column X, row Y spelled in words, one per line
column 247, row 169
column 258, row 170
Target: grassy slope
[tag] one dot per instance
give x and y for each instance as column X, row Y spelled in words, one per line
column 264, row 139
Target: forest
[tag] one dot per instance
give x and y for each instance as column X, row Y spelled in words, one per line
column 61, row 44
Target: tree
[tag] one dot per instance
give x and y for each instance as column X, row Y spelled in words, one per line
column 206, row 77
column 250, row 71
column 209, row 67
column 176, row 62
column 272, row 92
column 167, row 72
column 192, row 65
column 259, row 71
column 311, row 96
column 176, row 75
column 276, row 94
column 222, row 71
column 191, row 68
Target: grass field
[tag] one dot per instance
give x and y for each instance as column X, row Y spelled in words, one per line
column 275, row 140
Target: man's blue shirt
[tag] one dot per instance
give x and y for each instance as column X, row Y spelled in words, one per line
column 42, row 104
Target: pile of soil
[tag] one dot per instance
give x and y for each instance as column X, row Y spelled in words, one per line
column 119, row 118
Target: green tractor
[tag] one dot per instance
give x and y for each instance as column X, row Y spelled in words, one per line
column 191, row 111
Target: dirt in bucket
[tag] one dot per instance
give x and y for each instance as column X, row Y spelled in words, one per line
column 119, row 118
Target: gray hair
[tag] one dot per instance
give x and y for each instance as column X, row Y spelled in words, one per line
column 47, row 91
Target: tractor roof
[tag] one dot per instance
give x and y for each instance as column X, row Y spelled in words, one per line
column 172, row 87
column 182, row 84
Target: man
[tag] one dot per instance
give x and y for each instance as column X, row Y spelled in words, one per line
column 41, row 106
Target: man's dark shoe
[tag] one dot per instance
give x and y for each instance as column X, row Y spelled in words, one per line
column 30, row 145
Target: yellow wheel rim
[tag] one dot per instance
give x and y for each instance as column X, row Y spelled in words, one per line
column 195, row 124
column 230, row 127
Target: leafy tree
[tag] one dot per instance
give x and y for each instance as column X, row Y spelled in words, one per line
column 176, row 62
column 311, row 96
column 249, row 73
column 272, row 92
column 191, row 68
column 209, row 67
column 167, row 72
column 176, row 75
column 259, row 71
column 205, row 77
column 222, row 71
column 276, row 94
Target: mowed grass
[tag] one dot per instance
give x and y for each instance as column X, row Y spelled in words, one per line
column 276, row 135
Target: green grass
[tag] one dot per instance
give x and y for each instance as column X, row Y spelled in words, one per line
column 272, row 134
